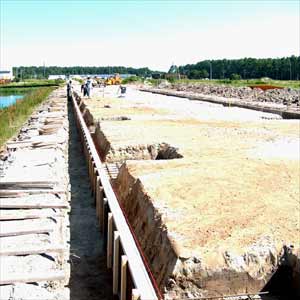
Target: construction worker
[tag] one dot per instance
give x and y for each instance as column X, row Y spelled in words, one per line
column 122, row 89
column 89, row 87
column 69, row 90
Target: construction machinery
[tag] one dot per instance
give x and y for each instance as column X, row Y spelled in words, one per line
column 113, row 80
column 4, row 81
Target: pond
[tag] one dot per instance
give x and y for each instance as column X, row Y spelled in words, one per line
column 8, row 100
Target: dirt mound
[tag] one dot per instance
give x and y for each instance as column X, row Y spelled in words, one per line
column 265, row 87
column 255, row 93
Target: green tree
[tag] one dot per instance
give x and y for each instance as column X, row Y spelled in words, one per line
column 235, row 76
column 275, row 68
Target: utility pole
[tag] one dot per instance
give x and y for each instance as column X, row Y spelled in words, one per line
column 178, row 74
column 210, row 70
column 44, row 71
column 290, row 69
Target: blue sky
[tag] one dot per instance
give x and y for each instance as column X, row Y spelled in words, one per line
column 145, row 33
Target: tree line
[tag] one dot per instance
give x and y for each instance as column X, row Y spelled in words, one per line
column 44, row 72
column 285, row 68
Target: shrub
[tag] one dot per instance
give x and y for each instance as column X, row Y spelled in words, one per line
column 235, row 76
column 131, row 79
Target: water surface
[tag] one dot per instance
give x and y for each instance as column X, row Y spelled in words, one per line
column 9, row 100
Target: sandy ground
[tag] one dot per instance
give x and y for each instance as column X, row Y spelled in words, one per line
column 89, row 276
column 139, row 104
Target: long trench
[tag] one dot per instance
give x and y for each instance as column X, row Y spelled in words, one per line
column 89, row 276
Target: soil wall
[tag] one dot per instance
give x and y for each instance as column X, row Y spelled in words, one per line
column 148, row 226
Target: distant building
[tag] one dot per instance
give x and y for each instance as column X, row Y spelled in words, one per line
column 104, row 76
column 53, row 77
column 76, row 76
column 84, row 76
column 6, row 75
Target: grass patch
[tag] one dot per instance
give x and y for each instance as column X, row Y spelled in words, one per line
column 132, row 79
column 16, row 90
column 154, row 82
column 32, row 83
column 13, row 117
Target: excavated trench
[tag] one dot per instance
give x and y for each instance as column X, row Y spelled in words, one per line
column 285, row 281
column 174, row 273
column 89, row 276
column 159, row 151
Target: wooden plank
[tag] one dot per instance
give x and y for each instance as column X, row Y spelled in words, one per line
column 27, row 203
column 19, row 145
column 93, row 173
column 31, row 244
column 109, row 240
column 46, row 145
column 95, row 181
column 104, row 214
column 92, row 177
column 34, row 277
column 97, row 196
column 19, row 142
column 20, row 193
column 52, row 126
column 100, row 208
column 55, row 115
column 20, row 214
column 124, row 262
column 34, row 144
column 139, row 273
column 116, row 262
column 26, row 184
column 21, row 227
column 89, row 166
column 29, row 268
column 31, row 250
column 54, row 121
column 24, row 188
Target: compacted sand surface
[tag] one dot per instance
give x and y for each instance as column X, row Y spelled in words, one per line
column 219, row 218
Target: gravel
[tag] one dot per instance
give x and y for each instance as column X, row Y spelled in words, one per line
column 286, row 96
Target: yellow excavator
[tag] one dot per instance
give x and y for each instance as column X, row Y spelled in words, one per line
column 113, row 80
